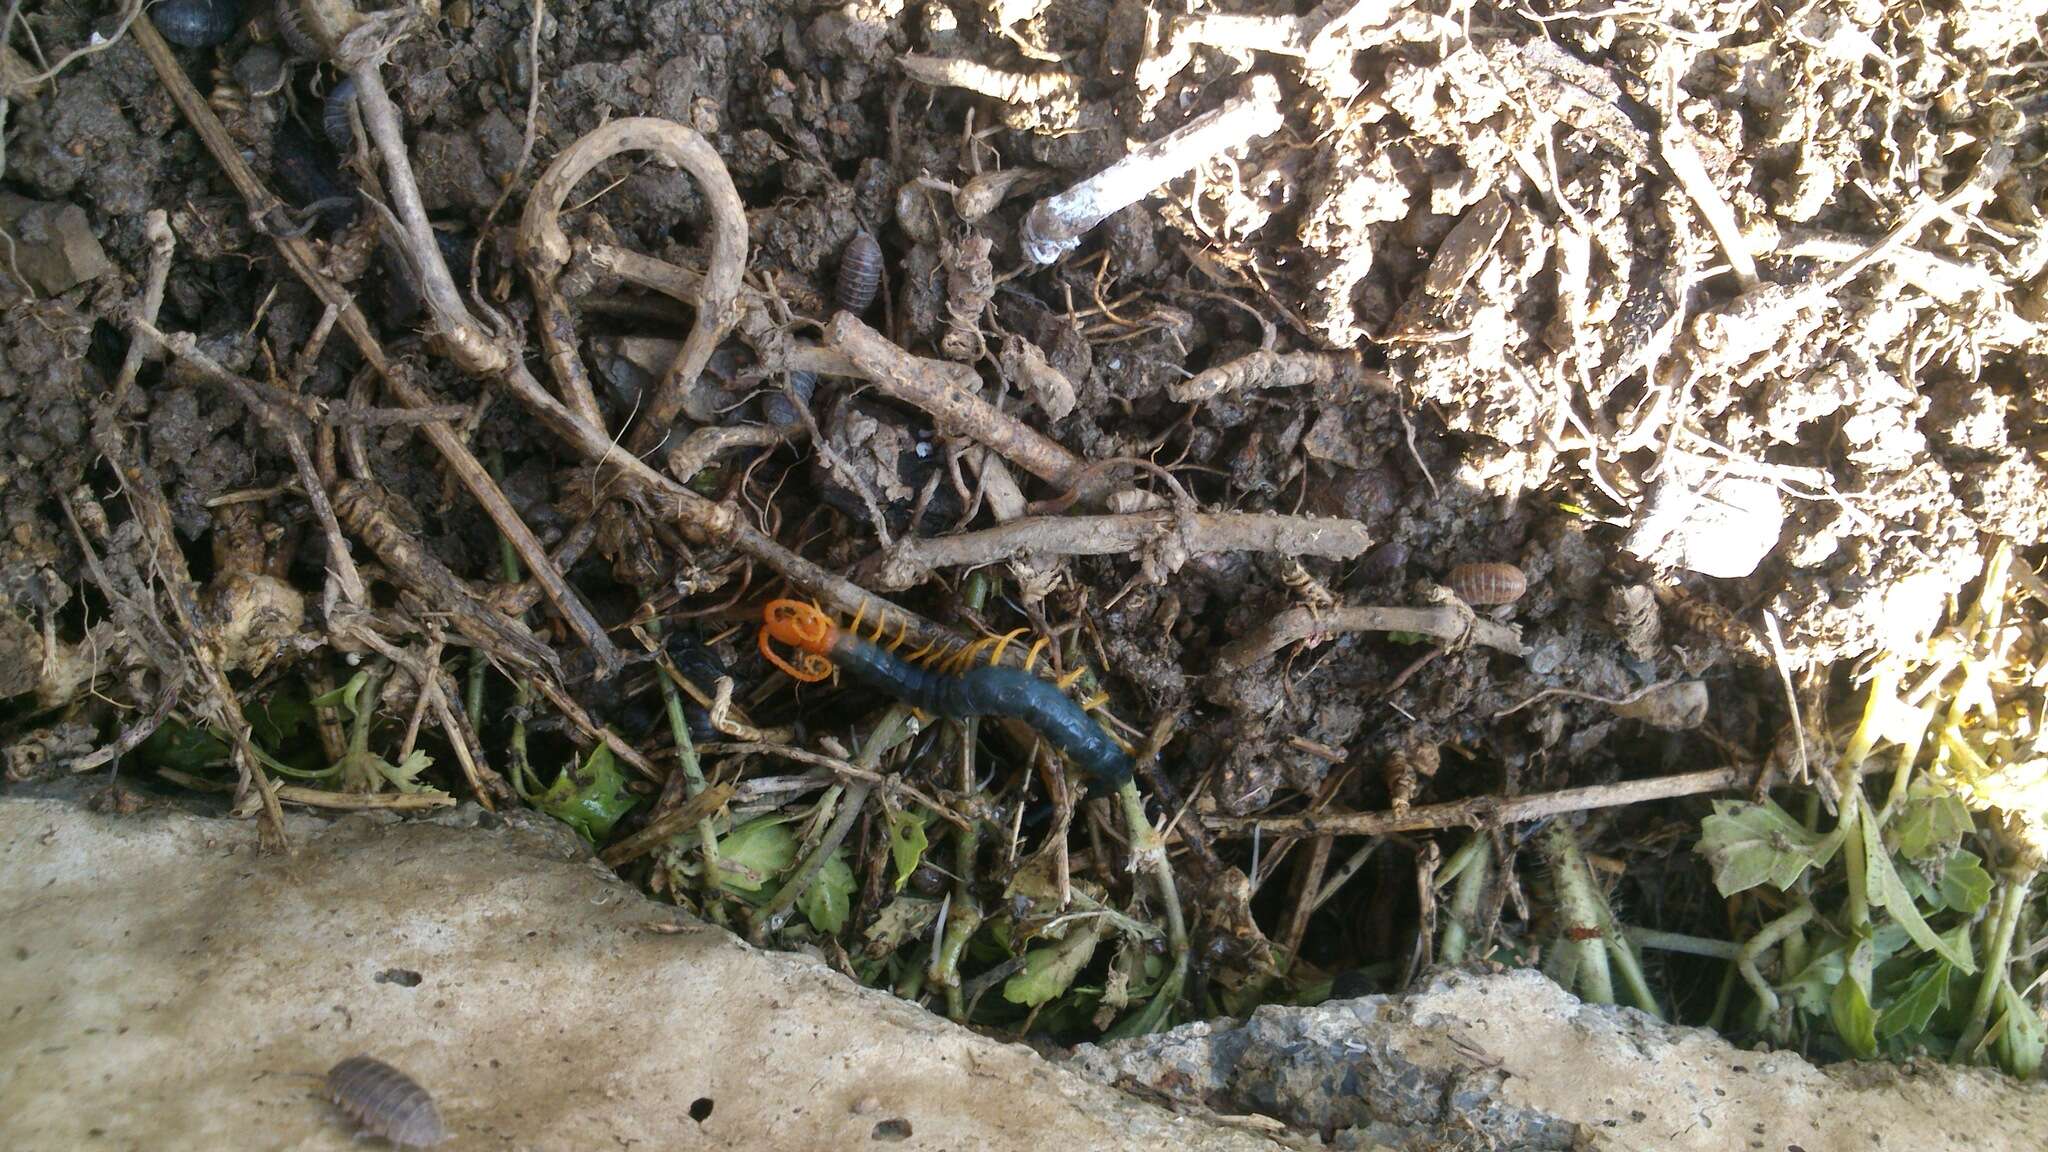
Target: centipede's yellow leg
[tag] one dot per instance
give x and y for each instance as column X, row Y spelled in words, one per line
column 902, row 634
column 858, row 614
column 921, row 653
column 1094, row 702
column 1031, row 657
column 1067, row 682
column 966, row 657
column 996, row 657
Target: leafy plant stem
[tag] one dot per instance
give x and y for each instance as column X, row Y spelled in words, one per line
column 1579, row 907
column 1471, row 869
column 2012, row 900
column 693, row 778
column 893, row 728
column 1149, row 849
column 1767, row 938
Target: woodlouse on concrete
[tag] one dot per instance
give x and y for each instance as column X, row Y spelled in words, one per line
column 1483, row 585
column 386, row 1102
column 860, row 274
column 197, row 23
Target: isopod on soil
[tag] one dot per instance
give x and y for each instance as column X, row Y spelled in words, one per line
column 335, row 121
column 386, row 1102
column 1482, row 585
column 197, row 23
column 860, row 273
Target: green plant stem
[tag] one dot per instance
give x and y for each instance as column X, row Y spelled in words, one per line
column 1662, row 941
column 964, row 909
column 1581, row 950
column 693, row 780
column 1149, row 848
column 1470, row 870
column 2012, row 901
column 1765, row 939
column 893, row 729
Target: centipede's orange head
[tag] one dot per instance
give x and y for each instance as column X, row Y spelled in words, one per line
column 803, row 627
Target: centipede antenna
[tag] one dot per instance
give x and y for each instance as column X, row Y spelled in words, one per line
column 996, row 657
column 1037, row 646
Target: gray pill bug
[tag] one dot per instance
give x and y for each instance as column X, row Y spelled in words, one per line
column 335, row 123
column 386, row 1102
column 776, row 405
column 860, row 273
column 197, row 23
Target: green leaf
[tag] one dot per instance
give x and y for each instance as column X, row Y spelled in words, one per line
column 344, row 696
column 1922, row 994
column 404, row 775
column 754, row 854
column 2021, row 1036
column 1929, row 822
column 1751, row 844
column 1889, row 893
column 829, row 899
column 1050, row 970
column 590, row 799
column 1815, row 983
column 1849, row 1009
column 907, row 845
column 277, row 722
column 1965, row 885
column 181, row 746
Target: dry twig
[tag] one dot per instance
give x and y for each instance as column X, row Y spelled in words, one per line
column 1482, row 811
column 1446, row 623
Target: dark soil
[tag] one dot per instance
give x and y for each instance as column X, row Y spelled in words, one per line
column 1539, row 327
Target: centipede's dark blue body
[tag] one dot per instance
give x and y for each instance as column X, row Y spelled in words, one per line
column 990, row 690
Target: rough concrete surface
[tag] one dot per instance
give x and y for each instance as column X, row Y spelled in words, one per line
column 163, row 986
column 1514, row 1061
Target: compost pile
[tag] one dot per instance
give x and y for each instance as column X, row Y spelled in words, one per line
column 1478, row 415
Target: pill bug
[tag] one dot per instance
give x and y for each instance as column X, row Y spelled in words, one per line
column 1482, row 585
column 860, row 274
column 310, row 178
column 334, row 116
column 197, row 23
column 779, row 409
column 386, row 1102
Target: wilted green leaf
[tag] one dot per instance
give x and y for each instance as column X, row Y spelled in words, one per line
column 1917, row 1000
column 591, row 798
column 1887, row 892
column 1050, row 970
column 900, row 921
column 829, row 899
column 1849, row 1009
column 1929, row 821
column 907, row 845
column 2021, row 1035
column 1751, row 844
column 1965, row 885
column 755, row 853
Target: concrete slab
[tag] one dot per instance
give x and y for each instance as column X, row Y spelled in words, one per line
column 163, row 986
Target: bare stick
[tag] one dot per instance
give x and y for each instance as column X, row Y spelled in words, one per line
column 694, row 811
column 945, row 391
column 1261, row 369
column 915, row 558
column 1056, row 225
column 1444, row 623
column 307, row 264
column 544, row 249
column 1481, row 811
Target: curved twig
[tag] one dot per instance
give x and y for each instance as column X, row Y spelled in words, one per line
column 544, row 249
column 1444, row 623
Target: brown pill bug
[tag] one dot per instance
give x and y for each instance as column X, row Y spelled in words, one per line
column 1482, row 585
column 386, row 1102
column 860, row 274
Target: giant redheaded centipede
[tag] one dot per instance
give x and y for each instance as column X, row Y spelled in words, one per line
column 949, row 686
